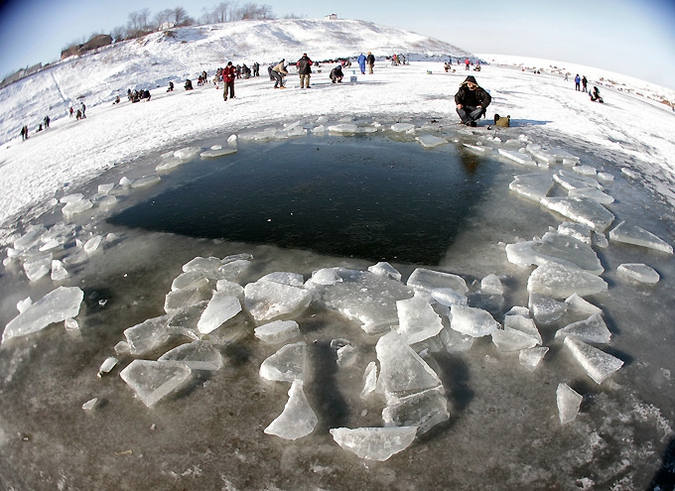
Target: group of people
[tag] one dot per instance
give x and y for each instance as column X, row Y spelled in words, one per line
column 581, row 84
column 24, row 128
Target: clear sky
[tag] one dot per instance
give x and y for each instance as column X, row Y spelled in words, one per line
column 634, row 37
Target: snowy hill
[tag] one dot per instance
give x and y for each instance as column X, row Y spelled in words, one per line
column 183, row 53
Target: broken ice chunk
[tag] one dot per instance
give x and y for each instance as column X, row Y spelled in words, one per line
column 472, row 321
column 23, row 305
column 221, row 308
column 402, row 371
column 491, row 285
column 431, row 141
column 592, row 193
column 297, row 419
column 277, row 331
column 448, row 297
column 230, row 288
column 579, row 231
column 347, row 355
column 37, row 266
column 532, row 186
column 546, row 310
column 154, row 380
column 56, row 306
column 577, row 304
column 582, row 210
column 401, row 127
column 569, row 402
column 326, row 277
column 197, row 355
column 639, row 272
column 375, row 443
column 92, row 244
column 286, row 365
column 455, row 342
column 267, row 301
column 187, row 153
column 512, row 340
column 591, row 330
column 417, row 320
column 285, row 278
column 559, row 281
column 385, row 269
column 181, row 299
column 598, row 364
column 366, row 298
column 145, row 181
column 518, row 319
column 148, row 335
column 193, row 280
column 369, row 379
column 632, row 234
column 517, row 157
column 343, row 128
column 572, row 181
column 531, row 358
column 427, row 280
column 59, row 271
column 424, row 410
column 107, row 365
column 217, row 152
column 90, row 405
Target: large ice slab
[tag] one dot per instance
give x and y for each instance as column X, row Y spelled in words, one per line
column 598, row 364
column 517, row 157
column 569, row 402
column 286, row 365
column 472, row 321
column 297, row 419
column 268, row 300
column 559, row 281
column 431, row 141
column 582, row 210
column 402, row 371
column 632, row 234
column 591, row 330
column 532, row 186
column 375, row 443
column 56, row 306
column 366, row 298
column 417, row 320
column 154, row 380
column 556, row 248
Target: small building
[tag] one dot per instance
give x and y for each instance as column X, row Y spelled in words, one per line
column 331, row 17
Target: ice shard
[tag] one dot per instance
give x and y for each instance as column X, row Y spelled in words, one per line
column 423, row 410
column 402, row 371
column 369, row 379
column 286, row 365
column 591, row 330
column 221, row 308
column 431, row 141
column 148, row 335
column 569, row 402
column 559, row 281
column 531, row 358
column 518, row 319
column 598, row 364
column 555, row 248
column 386, row 270
column 197, row 355
column 268, row 301
column 545, row 309
column 56, row 306
column 517, row 157
column 375, row 443
column 154, row 380
column 577, row 304
column 532, row 186
column 472, row 321
column 582, row 210
column 297, row 419
column 417, row 320
column 491, row 285
column 276, row 332
column 512, row 340
column 632, row 234
column 427, row 280
column 639, row 272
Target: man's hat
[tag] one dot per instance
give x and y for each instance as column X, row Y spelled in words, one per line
column 470, row 80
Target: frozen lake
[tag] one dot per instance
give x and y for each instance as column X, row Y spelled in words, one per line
column 335, row 201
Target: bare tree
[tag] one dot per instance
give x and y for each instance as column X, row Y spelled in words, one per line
column 180, row 17
column 119, row 33
column 162, row 18
column 137, row 24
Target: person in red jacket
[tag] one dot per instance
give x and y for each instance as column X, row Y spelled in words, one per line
column 229, row 74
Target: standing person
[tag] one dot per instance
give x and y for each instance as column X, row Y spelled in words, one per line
column 577, row 81
column 256, row 69
column 84, row 108
column 278, row 72
column 471, row 101
column 584, row 83
column 361, row 60
column 46, row 121
column 229, row 74
column 467, row 63
column 70, row 112
column 370, row 61
column 24, row 133
column 304, row 65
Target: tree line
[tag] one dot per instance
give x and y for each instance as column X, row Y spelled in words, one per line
column 142, row 22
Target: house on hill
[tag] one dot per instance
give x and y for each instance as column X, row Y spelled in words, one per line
column 331, row 17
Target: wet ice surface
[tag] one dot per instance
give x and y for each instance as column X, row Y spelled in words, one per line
column 210, row 402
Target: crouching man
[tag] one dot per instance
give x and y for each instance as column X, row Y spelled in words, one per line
column 472, row 101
